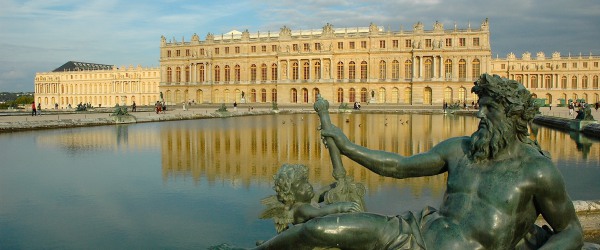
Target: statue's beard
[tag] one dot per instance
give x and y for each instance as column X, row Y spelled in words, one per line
column 490, row 139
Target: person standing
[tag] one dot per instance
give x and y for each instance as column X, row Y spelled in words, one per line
column 39, row 109
column 235, row 106
column 33, row 109
column 133, row 107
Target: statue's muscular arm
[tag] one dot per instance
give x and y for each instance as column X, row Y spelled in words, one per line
column 552, row 201
column 432, row 162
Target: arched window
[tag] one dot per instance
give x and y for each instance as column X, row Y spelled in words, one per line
column 563, row 83
column 253, row 72
column 363, row 71
column 227, row 73
column 462, row 69
column 187, row 73
column 263, row 72
column 169, row 75
column 294, row 95
column 295, row 71
column 408, row 69
column 395, row 70
column 363, row 95
column 178, row 74
column 448, row 69
column 263, row 95
column 574, row 83
column 584, row 82
column 382, row 71
column 352, row 70
column 253, row 95
column 340, row 70
column 201, row 72
column 547, row 82
column 407, row 95
column 382, row 95
column 237, row 72
column 352, row 95
column 595, row 82
column 274, row 95
column 305, row 71
column 305, row 95
column 534, row 82
column 448, row 95
column 274, row 72
column 340, row 95
column 428, row 69
column 427, row 95
column 548, row 99
column 462, row 94
column 317, row 70
column 476, row 68
column 217, row 73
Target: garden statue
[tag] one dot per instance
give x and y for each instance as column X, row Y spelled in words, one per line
column 295, row 201
column 499, row 181
column 585, row 113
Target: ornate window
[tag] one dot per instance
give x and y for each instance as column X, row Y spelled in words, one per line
column 340, row 70
column 178, row 74
column 295, row 71
column 237, row 73
column 534, row 82
column 217, row 73
column 352, row 70
column 363, row 71
column 187, row 73
column 408, row 73
column 263, row 71
column 574, row 82
column 462, row 69
column 382, row 70
column 563, row 82
column 352, row 95
column 476, row 68
column 428, row 69
column 201, row 72
column 253, row 72
column 448, row 69
column 274, row 72
column 317, row 70
column 395, row 70
column 584, row 82
column 169, row 74
column 340, row 95
column 227, row 73
column 305, row 71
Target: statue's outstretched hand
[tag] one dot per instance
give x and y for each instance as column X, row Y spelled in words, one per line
column 348, row 207
column 335, row 133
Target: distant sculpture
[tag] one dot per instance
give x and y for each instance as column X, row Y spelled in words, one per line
column 585, row 113
column 499, row 181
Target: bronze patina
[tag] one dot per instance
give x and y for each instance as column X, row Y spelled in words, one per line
column 499, row 182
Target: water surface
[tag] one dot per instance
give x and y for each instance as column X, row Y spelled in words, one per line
column 197, row 183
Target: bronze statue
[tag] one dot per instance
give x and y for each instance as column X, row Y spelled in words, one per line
column 295, row 201
column 499, row 181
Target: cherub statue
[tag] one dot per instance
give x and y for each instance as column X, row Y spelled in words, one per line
column 295, row 201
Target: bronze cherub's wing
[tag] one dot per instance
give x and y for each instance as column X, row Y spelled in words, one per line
column 278, row 212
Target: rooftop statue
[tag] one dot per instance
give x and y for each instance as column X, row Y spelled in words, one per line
column 499, row 181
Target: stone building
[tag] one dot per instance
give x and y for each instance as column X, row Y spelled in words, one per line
column 366, row 64
column 97, row 84
column 370, row 64
column 557, row 78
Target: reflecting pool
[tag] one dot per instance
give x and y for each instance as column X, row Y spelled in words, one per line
column 198, row 183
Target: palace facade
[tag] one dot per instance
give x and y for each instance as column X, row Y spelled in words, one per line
column 345, row 65
column 97, row 84
column 557, row 79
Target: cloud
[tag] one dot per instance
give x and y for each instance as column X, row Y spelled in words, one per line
column 44, row 34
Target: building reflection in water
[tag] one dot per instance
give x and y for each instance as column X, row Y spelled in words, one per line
column 250, row 149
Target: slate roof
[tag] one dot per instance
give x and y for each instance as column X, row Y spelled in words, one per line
column 77, row 66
